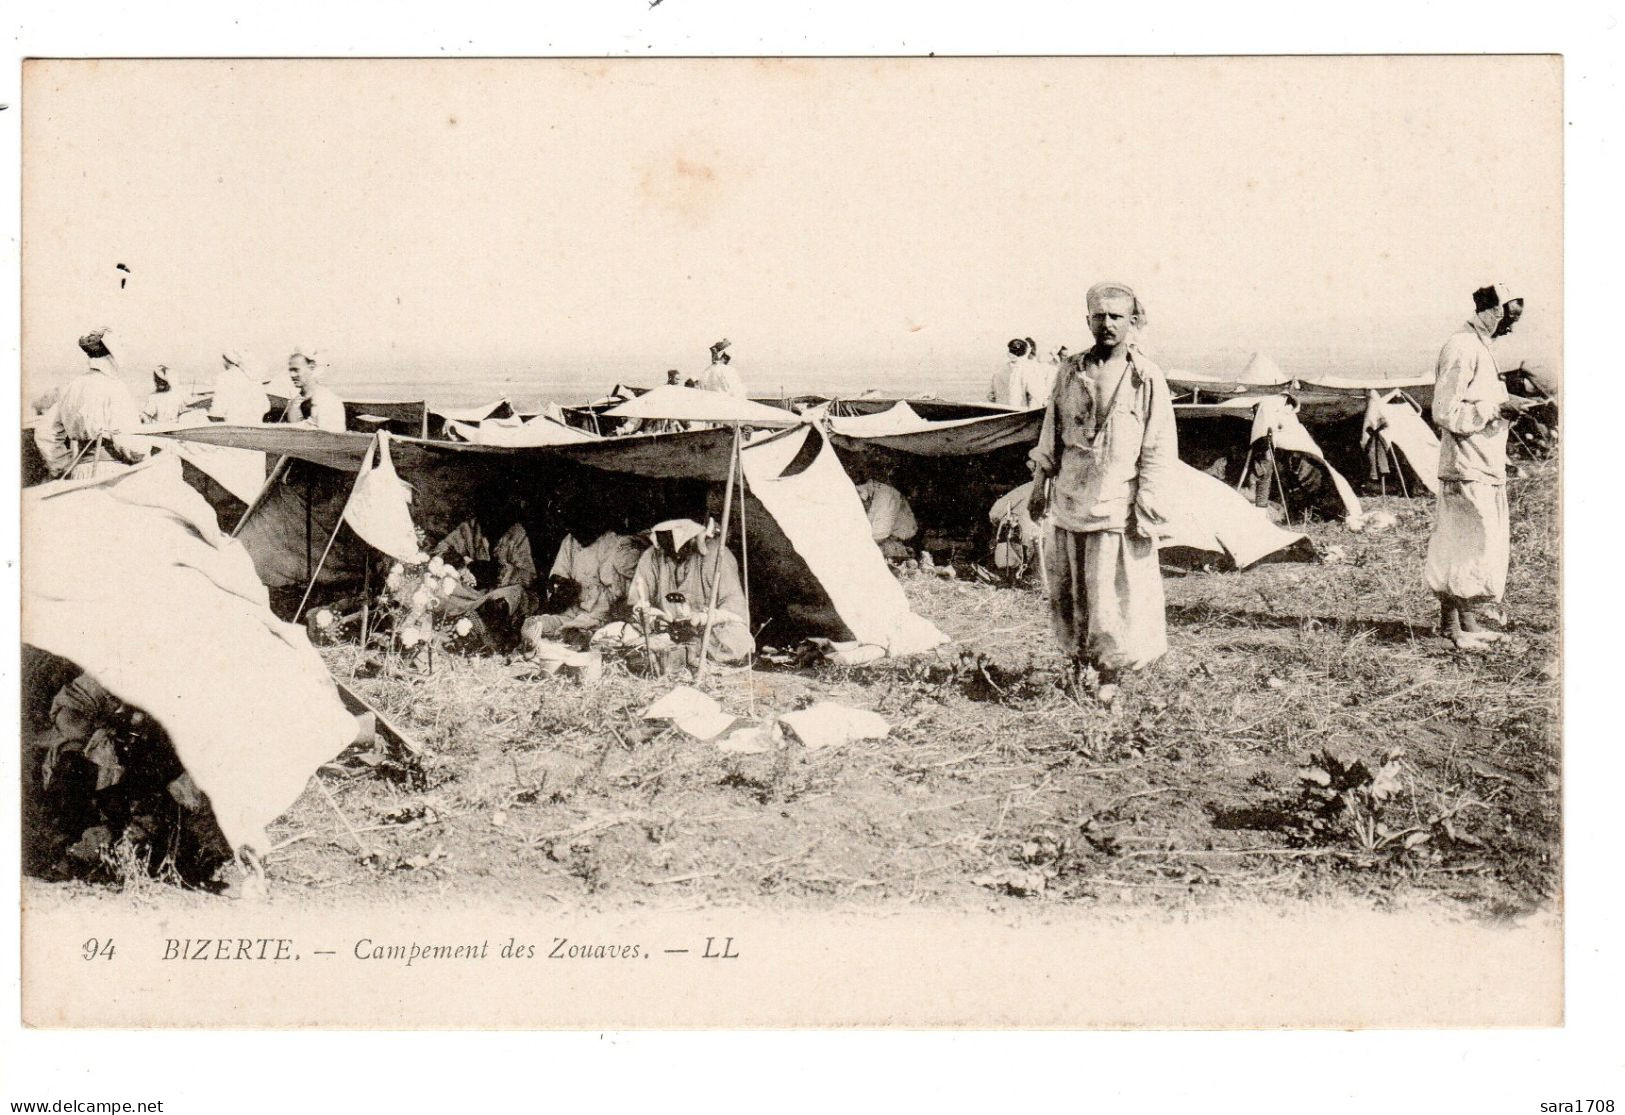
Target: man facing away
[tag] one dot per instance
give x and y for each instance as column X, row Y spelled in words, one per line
column 1107, row 448
column 239, row 399
column 891, row 519
column 86, row 433
column 1468, row 551
column 720, row 376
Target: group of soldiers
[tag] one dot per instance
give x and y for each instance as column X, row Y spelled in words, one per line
column 1107, row 445
column 647, row 595
column 1109, row 441
column 93, row 426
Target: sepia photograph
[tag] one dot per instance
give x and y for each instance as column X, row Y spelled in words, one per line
column 931, row 542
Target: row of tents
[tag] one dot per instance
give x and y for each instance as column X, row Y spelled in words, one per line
column 181, row 558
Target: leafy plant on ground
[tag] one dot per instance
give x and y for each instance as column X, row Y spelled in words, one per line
column 1344, row 801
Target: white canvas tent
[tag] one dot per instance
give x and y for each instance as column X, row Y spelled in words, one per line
column 1204, row 514
column 540, row 430
column 129, row 577
column 688, row 404
column 1275, row 418
column 1398, row 427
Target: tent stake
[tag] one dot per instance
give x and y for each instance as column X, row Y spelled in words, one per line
column 716, row 562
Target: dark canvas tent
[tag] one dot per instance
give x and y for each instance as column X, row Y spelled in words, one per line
column 954, row 469
column 951, row 469
column 808, row 573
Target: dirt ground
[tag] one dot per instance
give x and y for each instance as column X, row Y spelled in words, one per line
column 1209, row 782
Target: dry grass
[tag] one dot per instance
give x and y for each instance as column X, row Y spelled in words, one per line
column 994, row 786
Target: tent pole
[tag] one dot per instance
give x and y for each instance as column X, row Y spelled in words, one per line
column 366, row 601
column 716, row 562
column 1404, row 488
column 332, row 538
column 744, row 554
column 271, row 481
column 1246, row 463
column 1280, row 486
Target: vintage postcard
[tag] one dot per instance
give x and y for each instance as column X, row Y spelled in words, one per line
column 933, row 542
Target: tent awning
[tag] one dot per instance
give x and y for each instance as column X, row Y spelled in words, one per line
column 903, row 430
column 688, row 404
column 540, row 430
column 696, row 454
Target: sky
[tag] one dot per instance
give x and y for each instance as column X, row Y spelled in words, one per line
column 856, row 222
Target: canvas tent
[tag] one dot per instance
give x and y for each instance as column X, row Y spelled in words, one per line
column 816, row 573
column 129, row 578
column 990, row 452
column 689, row 404
column 442, row 417
column 1229, row 438
column 901, row 428
column 540, row 430
column 1398, row 439
column 1321, row 400
column 1205, row 516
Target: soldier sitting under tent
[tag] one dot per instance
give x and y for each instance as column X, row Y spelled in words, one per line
column 588, row 582
column 676, row 582
column 498, row 582
column 891, row 519
column 108, row 781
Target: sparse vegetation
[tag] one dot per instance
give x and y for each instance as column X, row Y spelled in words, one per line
column 1307, row 737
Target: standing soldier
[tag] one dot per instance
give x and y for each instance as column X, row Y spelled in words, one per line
column 239, row 399
column 86, row 433
column 1467, row 554
column 720, row 376
column 165, row 404
column 1103, row 458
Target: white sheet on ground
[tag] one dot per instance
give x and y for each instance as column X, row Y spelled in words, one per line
column 130, row 578
column 827, row 724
